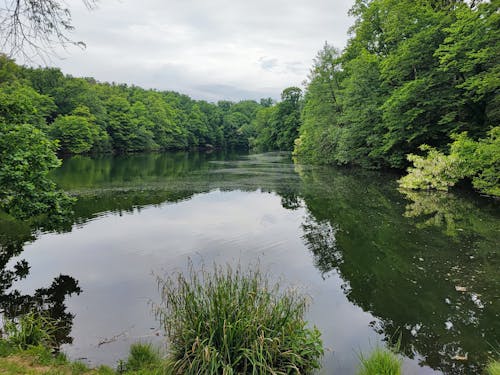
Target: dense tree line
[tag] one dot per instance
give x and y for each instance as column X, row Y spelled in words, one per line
column 87, row 116
column 277, row 126
column 413, row 73
column 44, row 112
column 417, row 83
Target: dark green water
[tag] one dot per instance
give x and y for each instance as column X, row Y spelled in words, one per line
column 379, row 264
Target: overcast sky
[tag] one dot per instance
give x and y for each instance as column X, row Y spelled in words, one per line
column 212, row 50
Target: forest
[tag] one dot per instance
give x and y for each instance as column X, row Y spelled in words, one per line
column 416, row 87
column 417, row 83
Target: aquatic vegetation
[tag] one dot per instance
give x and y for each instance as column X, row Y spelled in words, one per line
column 234, row 321
column 380, row 362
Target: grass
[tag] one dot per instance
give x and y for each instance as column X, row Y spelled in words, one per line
column 36, row 360
column 380, row 362
column 230, row 321
column 31, row 329
column 40, row 360
column 143, row 358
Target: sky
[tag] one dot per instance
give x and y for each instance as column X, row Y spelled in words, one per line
column 211, row 50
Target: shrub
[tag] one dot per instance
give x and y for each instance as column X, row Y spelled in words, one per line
column 231, row 321
column 434, row 171
column 476, row 160
column 380, row 362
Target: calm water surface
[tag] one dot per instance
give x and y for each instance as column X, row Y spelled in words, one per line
column 379, row 264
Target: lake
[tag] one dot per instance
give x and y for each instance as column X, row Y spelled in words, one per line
column 379, row 265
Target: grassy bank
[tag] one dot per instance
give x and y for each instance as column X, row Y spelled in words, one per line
column 146, row 360
column 143, row 359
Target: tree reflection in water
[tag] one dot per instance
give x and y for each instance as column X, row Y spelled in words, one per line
column 425, row 264
column 49, row 300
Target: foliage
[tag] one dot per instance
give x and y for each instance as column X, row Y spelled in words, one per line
column 380, row 362
column 413, row 73
column 477, row 160
column 27, row 157
column 234, row 321
column 480, row 160
column 20, row 104
column 276, row 127
column 321, row 109
column 89, row 116
column 77, row 132
column 435, row 171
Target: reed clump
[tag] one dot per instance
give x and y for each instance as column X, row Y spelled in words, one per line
column 380, row 362
column 234, row 321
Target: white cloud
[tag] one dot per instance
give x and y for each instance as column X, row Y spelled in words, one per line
column 214, row 50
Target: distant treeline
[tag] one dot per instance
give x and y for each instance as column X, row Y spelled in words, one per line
column 89, row 116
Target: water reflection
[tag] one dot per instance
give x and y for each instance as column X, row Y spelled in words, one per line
column 424, row 265
column 438, row 293
column 47, row 300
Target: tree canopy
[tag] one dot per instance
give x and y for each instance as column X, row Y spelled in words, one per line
column 413, row 73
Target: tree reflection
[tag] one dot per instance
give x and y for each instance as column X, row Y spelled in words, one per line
column 49, row 300
column 426, row 268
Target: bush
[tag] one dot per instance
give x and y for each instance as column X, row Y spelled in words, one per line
column 233, row 321
column 380, row 362
column 434, row 171
column 476, row 160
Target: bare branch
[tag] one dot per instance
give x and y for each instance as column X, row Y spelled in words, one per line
column 34, row 27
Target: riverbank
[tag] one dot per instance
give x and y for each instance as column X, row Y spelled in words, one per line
column 145, row 360
column 34, row 360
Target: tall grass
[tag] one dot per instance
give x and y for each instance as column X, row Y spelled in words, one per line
column 143, row 357
column 380, row 362
column 30, row 330
column 230, row 321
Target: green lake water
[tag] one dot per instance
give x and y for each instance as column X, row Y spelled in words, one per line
column 380, row 265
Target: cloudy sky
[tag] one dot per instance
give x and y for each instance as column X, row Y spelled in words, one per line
column 218, row 49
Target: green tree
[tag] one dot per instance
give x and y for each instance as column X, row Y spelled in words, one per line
column 20, row 104
column 76, row 132
column 320, row 115
column 470, row 52
column 27, row 156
